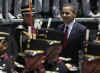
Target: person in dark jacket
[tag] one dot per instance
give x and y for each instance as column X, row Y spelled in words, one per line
column 74, row 34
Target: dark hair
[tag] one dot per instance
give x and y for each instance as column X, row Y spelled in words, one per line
column 73, row 5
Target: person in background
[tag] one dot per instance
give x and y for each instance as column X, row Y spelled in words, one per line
column 91, row 8
column 1, row 16
column 6, row 62
column 17, row 8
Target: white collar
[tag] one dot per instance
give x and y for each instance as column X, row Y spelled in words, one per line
column 70, row 25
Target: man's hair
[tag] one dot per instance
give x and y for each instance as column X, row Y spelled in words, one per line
column 73, row 5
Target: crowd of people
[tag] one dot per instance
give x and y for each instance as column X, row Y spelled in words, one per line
column 52, row 8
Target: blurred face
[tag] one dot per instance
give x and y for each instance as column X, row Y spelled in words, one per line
column 3, row 47
column 27, row 19
column 33, row 62
column 67, row 14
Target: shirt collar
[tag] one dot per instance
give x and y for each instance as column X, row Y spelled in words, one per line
column 70, row 25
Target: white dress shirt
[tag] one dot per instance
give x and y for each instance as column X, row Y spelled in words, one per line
column 70, row 26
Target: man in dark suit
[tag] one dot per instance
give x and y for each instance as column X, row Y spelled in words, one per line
column 73, row 41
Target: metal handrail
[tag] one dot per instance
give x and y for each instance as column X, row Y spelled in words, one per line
column 11, row 21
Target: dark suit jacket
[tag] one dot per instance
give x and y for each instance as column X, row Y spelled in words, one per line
column 74, row 42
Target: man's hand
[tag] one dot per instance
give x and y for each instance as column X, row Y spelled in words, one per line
column 71, row 67
column 65, row 59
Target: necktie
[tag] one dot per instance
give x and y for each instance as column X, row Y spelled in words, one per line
column 66, row 36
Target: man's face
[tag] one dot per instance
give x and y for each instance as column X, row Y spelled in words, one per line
column 67, row 14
